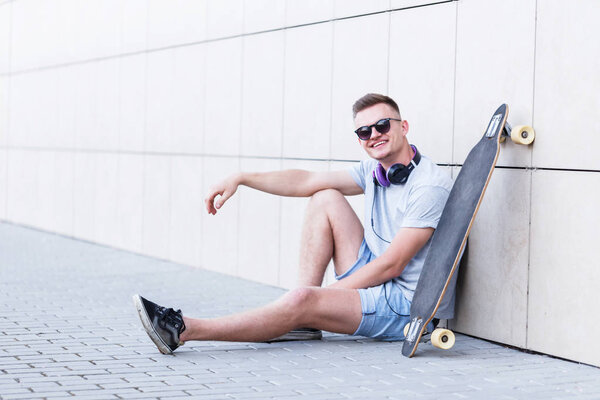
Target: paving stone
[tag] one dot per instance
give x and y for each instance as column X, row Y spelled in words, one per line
column 68, row 328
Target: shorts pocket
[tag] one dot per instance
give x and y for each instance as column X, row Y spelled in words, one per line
column 367, row 302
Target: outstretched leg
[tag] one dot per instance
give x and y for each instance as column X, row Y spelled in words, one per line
column 331, row 230
column 334, row 310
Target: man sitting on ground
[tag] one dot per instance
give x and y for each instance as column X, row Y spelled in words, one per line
column 376, row 266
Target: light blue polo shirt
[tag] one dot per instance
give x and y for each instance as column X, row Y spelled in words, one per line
column 416, row 204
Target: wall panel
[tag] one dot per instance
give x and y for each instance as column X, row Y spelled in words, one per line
column 132, row 103
column 33, row 109
column 262, row 95
column 106, row 202
column 4, row 109
column 156, row 226
column 564, row 275
column 34, row 34
column 22, row 169
column 87, row 29
column 45, row 189
column 3, row 182
column 97, row 105
column 307, row 92
column 422, row 76
column 66, row 106
column 298, row 12
column 160, row 106
column 494, row 65
column 360, row 66
column 493, row 282
column 84, row 195
column 134, row 26
column 167, row 25
column 62, row 191
column 567, row 85
column 185, row 239
column 223, row 97
column 225, row 18
column 220, row 232
column 5, row 32
column 105, row 127
column 259, row 233
column 130, row 198
column 188, row 101
column 351, row 8
column 262, row 15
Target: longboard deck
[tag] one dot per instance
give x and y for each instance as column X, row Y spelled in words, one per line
column 450, row 237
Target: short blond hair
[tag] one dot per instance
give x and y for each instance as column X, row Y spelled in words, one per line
column 370, row 99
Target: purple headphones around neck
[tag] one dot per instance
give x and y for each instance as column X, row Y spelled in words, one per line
column 398, row 173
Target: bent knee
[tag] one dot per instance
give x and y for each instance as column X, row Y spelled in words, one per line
column 327, row 197
column 299, row 302
column 299, row 298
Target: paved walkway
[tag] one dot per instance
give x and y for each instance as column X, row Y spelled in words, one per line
column 68, row 328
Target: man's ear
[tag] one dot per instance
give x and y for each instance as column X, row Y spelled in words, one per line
column 405, row 126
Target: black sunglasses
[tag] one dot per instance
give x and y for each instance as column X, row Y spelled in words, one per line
column 382, row 126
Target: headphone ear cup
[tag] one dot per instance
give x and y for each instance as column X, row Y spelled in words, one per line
column 398, row 174
column 380, row 176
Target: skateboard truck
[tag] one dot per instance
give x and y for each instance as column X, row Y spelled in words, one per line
column 519, row 134
column 440, row 337
column 413, row 329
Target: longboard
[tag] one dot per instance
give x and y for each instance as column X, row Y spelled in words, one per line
column 450, row 237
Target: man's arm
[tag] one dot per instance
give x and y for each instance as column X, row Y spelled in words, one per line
column 405, row 245
column 293, row 183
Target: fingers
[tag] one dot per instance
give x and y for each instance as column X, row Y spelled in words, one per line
column 209, row 202
column 221, row 200
column 213, row 203
column 219, row 194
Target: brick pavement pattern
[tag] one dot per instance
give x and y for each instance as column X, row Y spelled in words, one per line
column 68, row 329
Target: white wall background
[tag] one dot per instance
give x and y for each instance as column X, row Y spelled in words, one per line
column 115, row 117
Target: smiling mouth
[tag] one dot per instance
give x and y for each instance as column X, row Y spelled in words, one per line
column 379, row 143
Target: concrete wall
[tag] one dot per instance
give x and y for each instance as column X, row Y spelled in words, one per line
column 116, row 116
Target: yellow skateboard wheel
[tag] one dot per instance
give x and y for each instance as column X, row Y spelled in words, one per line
column 442, row 338
column 522, row 134
column 406, row 329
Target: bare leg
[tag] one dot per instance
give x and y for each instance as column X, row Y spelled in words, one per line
column 331, row 230
column 334, row 310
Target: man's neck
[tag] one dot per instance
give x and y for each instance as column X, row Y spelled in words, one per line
column 406, row 155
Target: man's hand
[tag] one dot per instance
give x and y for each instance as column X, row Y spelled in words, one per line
column 224, row 189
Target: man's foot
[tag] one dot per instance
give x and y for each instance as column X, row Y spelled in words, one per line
column 299, row 334
column 163, row 325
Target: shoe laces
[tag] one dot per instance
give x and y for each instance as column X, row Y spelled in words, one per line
column 172, row 317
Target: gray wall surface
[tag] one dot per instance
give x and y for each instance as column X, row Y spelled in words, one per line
column 116, row 116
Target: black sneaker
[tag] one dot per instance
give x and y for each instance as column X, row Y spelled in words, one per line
column 299, row 334
column 163, row 325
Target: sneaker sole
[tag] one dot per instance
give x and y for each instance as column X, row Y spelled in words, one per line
column 294, row 336
column 160, row 344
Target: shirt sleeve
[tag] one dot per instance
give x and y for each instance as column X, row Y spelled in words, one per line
column 357, row 171
column 425, row 206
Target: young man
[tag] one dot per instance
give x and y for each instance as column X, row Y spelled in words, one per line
column 377, row 266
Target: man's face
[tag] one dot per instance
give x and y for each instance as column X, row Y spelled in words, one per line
column 384, row 147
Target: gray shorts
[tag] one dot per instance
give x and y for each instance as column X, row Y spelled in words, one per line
column 385, row 309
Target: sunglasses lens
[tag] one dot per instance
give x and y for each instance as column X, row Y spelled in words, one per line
column 383, row 126
column 364, row 133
